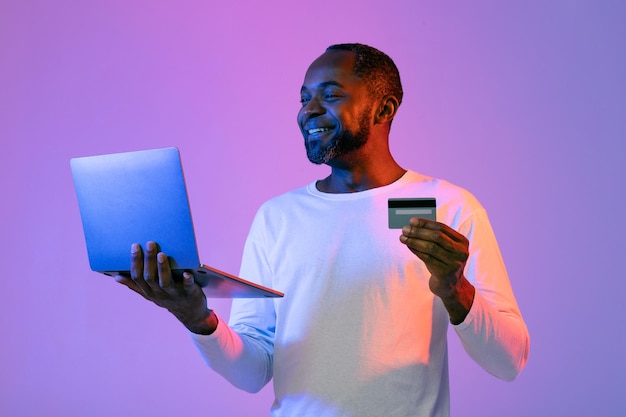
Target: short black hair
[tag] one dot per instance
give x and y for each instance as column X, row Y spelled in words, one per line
column 376, row 68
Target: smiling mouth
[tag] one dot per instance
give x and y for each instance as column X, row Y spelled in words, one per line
column 318, row 130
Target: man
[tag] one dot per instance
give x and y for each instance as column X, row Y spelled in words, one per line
column 362, row 328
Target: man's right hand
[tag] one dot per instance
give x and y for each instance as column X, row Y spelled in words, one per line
column 151, row 277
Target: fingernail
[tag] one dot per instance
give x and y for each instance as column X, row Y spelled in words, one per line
column 161, row 257
column 134, row 248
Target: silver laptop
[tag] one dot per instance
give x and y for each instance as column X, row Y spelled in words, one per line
column 135, row 197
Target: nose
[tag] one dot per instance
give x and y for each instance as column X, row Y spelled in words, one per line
column 312, row 108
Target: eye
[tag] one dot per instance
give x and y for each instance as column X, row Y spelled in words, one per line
column 332, row 95
column 304, row 100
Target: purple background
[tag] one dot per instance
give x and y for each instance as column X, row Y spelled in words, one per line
column 521, row 102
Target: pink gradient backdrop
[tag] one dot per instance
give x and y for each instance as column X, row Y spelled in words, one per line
column 522, row 102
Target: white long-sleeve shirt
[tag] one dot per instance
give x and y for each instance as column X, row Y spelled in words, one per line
column 358, row 332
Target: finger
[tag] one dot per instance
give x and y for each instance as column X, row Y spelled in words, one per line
column 439, row 234
column 129, row 283
column 425, row 237
column 437, row 226
column 192, row 289
column 189, row 284
column 136, row 268
column 433, row 245
column 164, row 271
column 430, row 257
column 434, row 265
column 442, row 267
column 150, row 268
column 136, row 261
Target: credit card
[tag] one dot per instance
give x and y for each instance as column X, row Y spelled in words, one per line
column 402, row 209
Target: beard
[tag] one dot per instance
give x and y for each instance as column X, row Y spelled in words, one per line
column 341, row 144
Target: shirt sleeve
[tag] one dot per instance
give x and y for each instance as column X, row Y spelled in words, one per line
column 493, row 333
column 244, row 360
column 242, row 351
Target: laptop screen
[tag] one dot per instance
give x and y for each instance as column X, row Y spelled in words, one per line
column 134, row 197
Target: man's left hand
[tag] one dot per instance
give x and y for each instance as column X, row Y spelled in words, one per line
column 444, row 251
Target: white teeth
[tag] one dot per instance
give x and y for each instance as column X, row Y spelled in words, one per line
column 318, row 130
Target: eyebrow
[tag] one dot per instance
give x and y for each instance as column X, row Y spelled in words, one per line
column 322, row 85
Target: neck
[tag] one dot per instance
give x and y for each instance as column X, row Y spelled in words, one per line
column 354, row 179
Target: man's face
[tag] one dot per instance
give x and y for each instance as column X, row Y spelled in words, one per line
column 336, row 112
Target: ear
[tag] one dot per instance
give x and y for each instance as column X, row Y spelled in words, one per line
column 387, row 109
